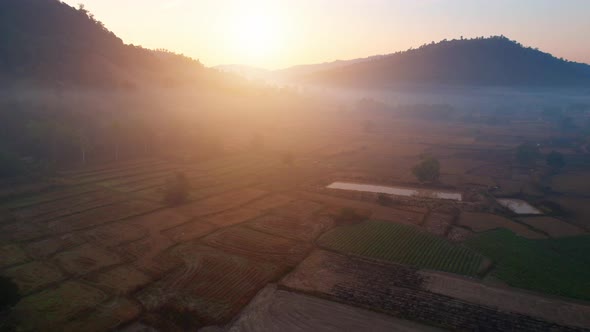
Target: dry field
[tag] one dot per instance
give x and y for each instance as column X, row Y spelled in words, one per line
column 97, row 249
column 280, row 310
column 481, row 222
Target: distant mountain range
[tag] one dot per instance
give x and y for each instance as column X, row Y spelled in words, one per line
column 49, row 42
column 290, row 73
column 493, row 61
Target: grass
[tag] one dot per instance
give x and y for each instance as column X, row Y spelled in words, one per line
column 558, row 267
column 403, row 244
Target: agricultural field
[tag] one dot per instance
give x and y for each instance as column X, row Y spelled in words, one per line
column 98, row 248
column 403, row 293
column 546, row 266
column 279, row 310
column 405, row 245
column 481, row 222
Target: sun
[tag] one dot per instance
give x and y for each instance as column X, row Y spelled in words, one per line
column 257, row 34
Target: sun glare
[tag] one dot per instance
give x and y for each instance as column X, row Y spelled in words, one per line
column 257, row 34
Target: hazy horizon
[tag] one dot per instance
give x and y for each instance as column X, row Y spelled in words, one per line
column 280, row 34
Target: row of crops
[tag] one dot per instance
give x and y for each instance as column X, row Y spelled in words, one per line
column 403, row 244
column 552, row 266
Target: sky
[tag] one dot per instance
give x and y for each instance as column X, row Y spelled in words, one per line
column 277, row 34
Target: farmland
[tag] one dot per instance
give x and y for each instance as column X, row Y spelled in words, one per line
column 536, row 264
column 405, row 245
column 97, row 247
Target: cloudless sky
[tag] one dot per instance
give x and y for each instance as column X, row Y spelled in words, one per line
column 280, row 33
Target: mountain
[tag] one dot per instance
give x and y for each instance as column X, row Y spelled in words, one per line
column 290, row 73
column 49, row 42
column 249, row 72
column 301, row 70
column 494, row 61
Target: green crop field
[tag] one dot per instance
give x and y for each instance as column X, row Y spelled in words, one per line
column 403, row 244
column 558, row 267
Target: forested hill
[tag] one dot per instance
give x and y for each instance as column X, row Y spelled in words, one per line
column 49, row 42
column 494, row 61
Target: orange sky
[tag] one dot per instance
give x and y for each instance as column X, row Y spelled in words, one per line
column 280, row 33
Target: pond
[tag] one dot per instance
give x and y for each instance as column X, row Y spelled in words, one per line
column 399, row 191
column 518, row 206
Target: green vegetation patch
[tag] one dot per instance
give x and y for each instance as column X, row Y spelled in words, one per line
column 556, row 267
column 403, row 244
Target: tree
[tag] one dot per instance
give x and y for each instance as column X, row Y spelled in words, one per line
column 428, row 170
column 9, row 294
column 555, row 160
column 527, row 154
column 176, row 190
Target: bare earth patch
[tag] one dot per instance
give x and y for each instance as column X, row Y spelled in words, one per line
column 11, row 255
column 279, row 310
column 159, row 220
column 106, row 316
column 189, row 231
column 120, row 280
column 552, row 226
column 211, row 285
column 438, row 223
column 402, row 292
column 232, row 217
column 248, row 242
column 115, row 234
column 33, row 276
column 47, row 247
column 378, row 212
column 298, row 229
column 85, row 258
column 270, row 202
column 221, row 202
column 42, row 311
column 481, row 222
column 555, row 310
column 458, row 234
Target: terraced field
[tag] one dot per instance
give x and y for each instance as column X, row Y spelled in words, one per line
column 404, row 244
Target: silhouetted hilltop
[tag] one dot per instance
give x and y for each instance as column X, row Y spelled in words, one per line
column 494, row 61
column 49, row 42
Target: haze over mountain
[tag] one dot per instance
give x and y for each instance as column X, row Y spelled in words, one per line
column 49, row 42
column 494, row 61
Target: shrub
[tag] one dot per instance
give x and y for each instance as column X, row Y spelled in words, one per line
column 428, row 170
column 384, row 199
column 9, row 294
column 555, row 160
